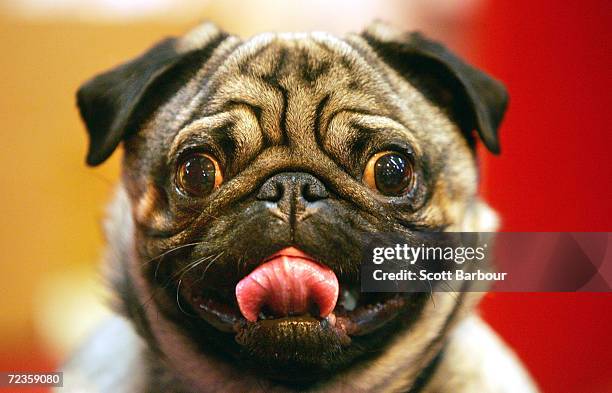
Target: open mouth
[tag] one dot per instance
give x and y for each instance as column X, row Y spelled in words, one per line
column 292, row 286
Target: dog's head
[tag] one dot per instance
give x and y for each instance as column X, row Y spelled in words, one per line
column 252, row 171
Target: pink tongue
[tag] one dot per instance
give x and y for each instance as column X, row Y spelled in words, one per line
column 288, row 284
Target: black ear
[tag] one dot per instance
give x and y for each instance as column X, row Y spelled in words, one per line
column 113, row 104
column 478, row 101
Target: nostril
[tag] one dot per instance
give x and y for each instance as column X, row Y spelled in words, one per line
column 271, row 191
column 313, row 192
column 294, row 187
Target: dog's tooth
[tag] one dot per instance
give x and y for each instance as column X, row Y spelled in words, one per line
column 329, row 321
column 331, row 318
column 349, row 300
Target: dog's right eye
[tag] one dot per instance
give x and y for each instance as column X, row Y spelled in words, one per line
column 198, row 174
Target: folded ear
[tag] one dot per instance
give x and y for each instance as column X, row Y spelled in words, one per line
column 477, row 100
column 113, row 104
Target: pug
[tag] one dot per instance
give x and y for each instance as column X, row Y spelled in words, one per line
column 251, row 172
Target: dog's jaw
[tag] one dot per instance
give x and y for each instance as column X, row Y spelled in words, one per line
column 409, row 352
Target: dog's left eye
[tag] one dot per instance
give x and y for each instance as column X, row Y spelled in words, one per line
column 389, row 172
column 198, row 174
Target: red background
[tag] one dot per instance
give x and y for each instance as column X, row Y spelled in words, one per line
column 554, row 174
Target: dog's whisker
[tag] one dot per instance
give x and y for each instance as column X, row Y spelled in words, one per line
column 431, row 293
column 171, row 250
column 197, row 263
column 191, row 266
column 178, row 300
column 451, row 290
column 163, row 286
column 209, row 264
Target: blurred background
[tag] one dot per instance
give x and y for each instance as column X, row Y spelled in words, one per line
column 554, row 174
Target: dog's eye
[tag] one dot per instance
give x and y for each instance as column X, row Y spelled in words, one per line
column 198, row 174
column 390, row 173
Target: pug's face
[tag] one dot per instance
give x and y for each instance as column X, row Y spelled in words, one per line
column 254, row 170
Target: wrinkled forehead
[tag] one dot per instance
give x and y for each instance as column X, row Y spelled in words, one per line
column 293, row 84
column 280, row 67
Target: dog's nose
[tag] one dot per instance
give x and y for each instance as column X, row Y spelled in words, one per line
column 292, row 192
